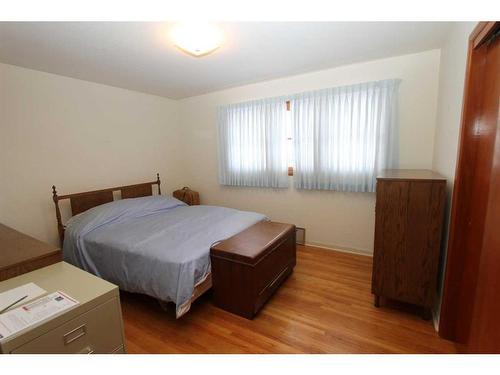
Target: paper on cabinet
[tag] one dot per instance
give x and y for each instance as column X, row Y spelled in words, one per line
column 30, row 290
column 34, row 312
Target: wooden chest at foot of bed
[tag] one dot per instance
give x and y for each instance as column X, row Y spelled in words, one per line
column 250, row 266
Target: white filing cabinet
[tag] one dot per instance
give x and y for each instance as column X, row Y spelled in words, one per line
column 93, row 326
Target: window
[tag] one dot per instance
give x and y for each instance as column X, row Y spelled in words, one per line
column 344, row 136
column 252, row 144
column 332, row 139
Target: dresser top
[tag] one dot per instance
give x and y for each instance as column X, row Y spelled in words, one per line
column 17, row 247
column 410, row 174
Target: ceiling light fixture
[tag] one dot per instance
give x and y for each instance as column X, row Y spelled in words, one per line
column 197, row 39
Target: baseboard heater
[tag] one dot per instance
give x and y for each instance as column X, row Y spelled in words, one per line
column 300, row 235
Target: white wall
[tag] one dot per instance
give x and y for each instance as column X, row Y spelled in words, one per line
column 332, row 219
column 80, row 135
column 77, row 135
column 451, row 89
column 451, row 86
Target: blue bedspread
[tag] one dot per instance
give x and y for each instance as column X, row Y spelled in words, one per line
column 152, row 245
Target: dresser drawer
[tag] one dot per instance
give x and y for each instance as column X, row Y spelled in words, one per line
column 96, row 331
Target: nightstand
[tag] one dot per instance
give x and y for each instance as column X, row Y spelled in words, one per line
column 93, row 326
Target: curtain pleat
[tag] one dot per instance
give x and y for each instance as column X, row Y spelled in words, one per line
column 252, row 144
column 344, row 136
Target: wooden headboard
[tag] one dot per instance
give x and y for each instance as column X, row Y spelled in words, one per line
column 81, row 202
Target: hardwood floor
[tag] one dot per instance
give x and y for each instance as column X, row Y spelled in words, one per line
column 325, row 306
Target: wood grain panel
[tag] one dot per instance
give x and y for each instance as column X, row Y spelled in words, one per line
column 136, row 191
column 325, row 306
column 472, row 186
column 30, row 265
column 81, row 203
column 426, row 205
column 415, row 283
column 408, row 225
column 20, row 253
column 484, row 336
column 390, row 231
column 250, row 266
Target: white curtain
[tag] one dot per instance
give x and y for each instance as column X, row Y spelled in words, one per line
column 252, row 144
column 344, row 136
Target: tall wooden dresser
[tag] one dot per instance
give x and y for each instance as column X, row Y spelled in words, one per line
column 408, row 227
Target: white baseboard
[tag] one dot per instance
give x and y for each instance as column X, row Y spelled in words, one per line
column 340, row 248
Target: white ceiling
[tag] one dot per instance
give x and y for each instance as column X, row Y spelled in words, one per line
column 140, row 56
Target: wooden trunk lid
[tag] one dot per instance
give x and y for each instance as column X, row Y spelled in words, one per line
column 254, row 243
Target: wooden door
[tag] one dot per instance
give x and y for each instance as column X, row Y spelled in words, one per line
column 485, row 327
column 471, row 305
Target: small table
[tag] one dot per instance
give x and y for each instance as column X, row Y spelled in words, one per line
column 20, row 253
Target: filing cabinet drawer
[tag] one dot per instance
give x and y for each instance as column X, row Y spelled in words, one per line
column 96, row 331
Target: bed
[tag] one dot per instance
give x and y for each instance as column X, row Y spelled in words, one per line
column 145, row 243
